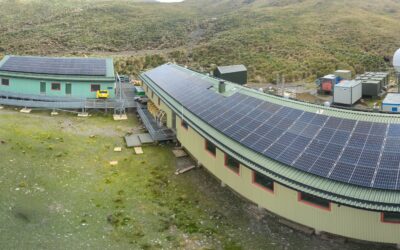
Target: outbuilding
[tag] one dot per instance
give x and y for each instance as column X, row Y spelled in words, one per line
column 57, row 77
column 391, row 103
column 233, row 73
column 347, row 92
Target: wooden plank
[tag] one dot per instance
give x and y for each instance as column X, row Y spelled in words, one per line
column 184, row 170
column 138, row 150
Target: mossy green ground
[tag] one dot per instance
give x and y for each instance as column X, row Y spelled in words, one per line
column 58, row 191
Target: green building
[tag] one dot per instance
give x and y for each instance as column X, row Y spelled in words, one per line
column 233, row 73
column 56, row 77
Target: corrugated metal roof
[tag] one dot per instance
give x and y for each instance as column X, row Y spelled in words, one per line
column 374, row 199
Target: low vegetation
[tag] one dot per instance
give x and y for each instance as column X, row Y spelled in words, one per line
column 302, row 39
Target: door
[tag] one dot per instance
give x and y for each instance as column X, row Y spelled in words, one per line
column 43, row 88
column 173, row 121
column 68, row 89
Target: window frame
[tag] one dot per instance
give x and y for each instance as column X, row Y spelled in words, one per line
column 56, row 84
column 231, row 168
column 184, row 124
column 388, row 221
column 92, row 85
column 206, row 142
column 272, row 191
column 5, row 79
column 300, row 198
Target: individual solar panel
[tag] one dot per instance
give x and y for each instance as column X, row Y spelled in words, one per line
column 322, row 166
column 350, row 151
column 386, row 179
column 363, row 127
column 305, row 161
column 325, row 134
column 351, row 155
column 362, row 176
column 342, row 172
column 394, row 130
column 340, row 137
column 56, row 66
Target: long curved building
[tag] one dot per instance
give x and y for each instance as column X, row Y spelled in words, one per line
column 332, row 170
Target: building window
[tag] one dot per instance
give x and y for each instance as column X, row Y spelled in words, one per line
column 5, row 82
column 263, row 181
column 184, row 124
column 211, row 148
column 314, row 201
column 390, row 217
column 55, row 86
column 147, row 88
column 232, row 164
column 95, row 87
column 159, row 101
column 152, row 94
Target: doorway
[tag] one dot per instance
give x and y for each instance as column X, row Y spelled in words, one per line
column 43, row 88
column 68, row 89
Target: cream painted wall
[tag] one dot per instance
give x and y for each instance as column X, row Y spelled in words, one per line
column 341, row 220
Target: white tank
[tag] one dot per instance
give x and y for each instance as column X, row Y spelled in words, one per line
column 396, row 61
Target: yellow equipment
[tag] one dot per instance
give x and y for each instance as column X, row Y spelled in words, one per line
column 102, row 94
column 137, row 82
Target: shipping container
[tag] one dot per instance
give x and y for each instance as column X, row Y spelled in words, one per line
column 347, row 92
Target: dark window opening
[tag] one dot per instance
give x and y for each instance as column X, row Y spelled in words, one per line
column 55, row 86
column 159, row 101
column 211, row 148
column 391, row 217
column 184, row 124
column 263, row 181
column 5, row 82
column 152, row 94
column 95, row 87
column 314, row 201
column 232, row 164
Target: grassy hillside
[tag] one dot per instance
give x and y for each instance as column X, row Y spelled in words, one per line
column 301, row 39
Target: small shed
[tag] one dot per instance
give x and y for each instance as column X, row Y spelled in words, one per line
column 347, row 92
column 343, row 74
column 391, row 103
column 233, row 73
column 371, row 88
column 327, row 83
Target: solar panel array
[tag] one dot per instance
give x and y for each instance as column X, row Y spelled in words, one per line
column 356, row 152
column 56, row 66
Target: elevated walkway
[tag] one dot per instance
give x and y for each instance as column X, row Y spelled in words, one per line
column 124, row 99
column 156, row 132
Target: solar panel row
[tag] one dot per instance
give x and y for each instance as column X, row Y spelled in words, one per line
column 356, row 152
column 56, row 66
